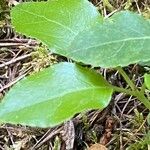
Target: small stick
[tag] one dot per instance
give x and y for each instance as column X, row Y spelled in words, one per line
column 15, row 60
column 13, row 82
column 11, row 44
column 51, row 134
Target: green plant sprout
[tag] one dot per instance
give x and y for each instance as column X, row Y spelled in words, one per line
column 76, row 30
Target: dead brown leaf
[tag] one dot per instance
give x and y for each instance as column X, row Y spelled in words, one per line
column 97, row 147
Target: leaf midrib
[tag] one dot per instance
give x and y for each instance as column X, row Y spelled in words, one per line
column 109, row 43
column 49, row 20
column 64, row 94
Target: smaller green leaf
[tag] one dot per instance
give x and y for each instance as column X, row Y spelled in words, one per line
column 147, row 80
column 54, row 95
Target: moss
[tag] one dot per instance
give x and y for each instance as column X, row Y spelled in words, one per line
column 4, row 9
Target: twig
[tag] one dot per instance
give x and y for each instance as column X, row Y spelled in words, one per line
column 51, row 134
column 13, row 82
column 110, row 14
column 11, row 44
column 138, row 7
column 15, row 60
column 17, row 40
column 136, row 131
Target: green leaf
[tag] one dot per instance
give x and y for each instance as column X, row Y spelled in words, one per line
column 54, row 95
column 75, row 29
column 120, row 40
column 56, row 22
column 147, row 80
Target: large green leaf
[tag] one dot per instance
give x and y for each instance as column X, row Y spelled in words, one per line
column 74, row 28
column 54, row 95
column 147, row 80
column 56, row 22
column 121, row 40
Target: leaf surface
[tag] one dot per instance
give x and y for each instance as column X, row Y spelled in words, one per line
column 56, row 22
column 54, row 95
column 147, row 80
column 75, row 29
column 120, row 40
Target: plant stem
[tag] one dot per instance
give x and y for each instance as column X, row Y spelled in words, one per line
column 123, row 90
column 143, row 87
column 140, row 96
column 143, row 99
column 127, row 79
column 134, row 90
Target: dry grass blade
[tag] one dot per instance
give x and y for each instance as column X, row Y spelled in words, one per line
column 15, row 60
column 46, row 137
